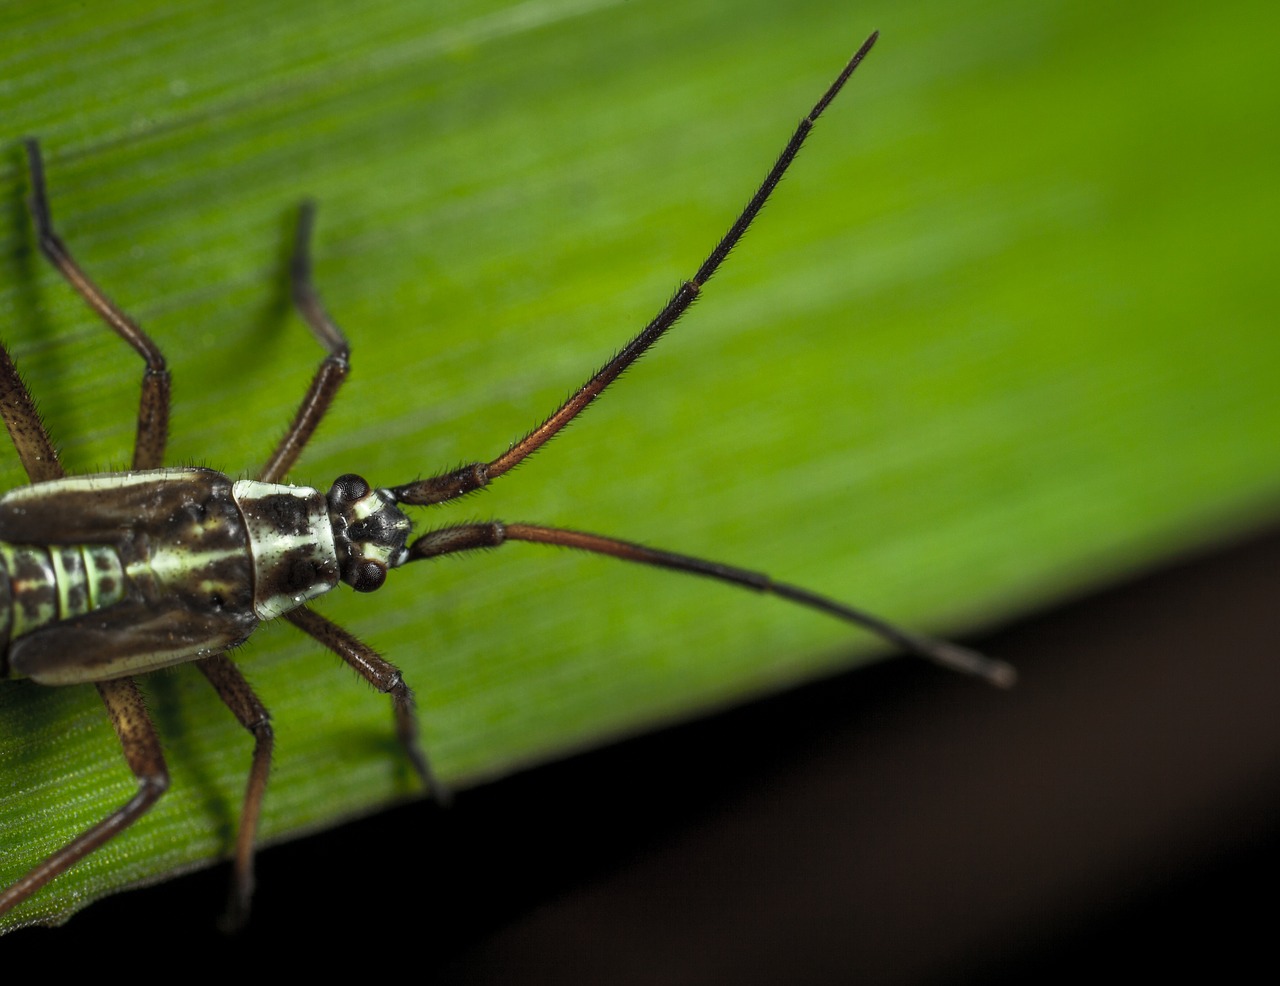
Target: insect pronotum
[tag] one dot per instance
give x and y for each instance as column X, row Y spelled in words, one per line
column 105, row 577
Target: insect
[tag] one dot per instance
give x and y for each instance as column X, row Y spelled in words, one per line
column 109, row 576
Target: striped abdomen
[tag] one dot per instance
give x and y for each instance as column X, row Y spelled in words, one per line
column 40, row 585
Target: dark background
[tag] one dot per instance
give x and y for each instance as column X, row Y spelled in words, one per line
column 1119, row 809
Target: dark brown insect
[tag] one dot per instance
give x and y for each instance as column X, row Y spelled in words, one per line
column 108, row 576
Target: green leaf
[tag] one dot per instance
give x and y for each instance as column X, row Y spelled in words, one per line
column 1006, row 332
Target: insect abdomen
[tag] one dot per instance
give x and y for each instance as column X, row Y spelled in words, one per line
column 45, row 584
column 40, row 585
column 119, row 573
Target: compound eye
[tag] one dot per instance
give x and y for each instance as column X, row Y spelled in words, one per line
column 348, row 489
column 368, row 576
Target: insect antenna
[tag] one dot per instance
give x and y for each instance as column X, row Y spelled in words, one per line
column 492, row 534
column 473, row 476
column 476, row 475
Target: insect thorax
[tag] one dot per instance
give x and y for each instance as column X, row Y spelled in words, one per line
column 291, row 539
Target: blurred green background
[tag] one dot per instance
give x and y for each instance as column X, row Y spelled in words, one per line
column 1005, row 333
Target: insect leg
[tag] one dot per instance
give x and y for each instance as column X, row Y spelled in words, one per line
column 153, row 407
column 142, row 751
column 26, row 428
column 333, row 368
column 473, row 476
column 232, row 688
column 384, row 676
column 470, row 537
